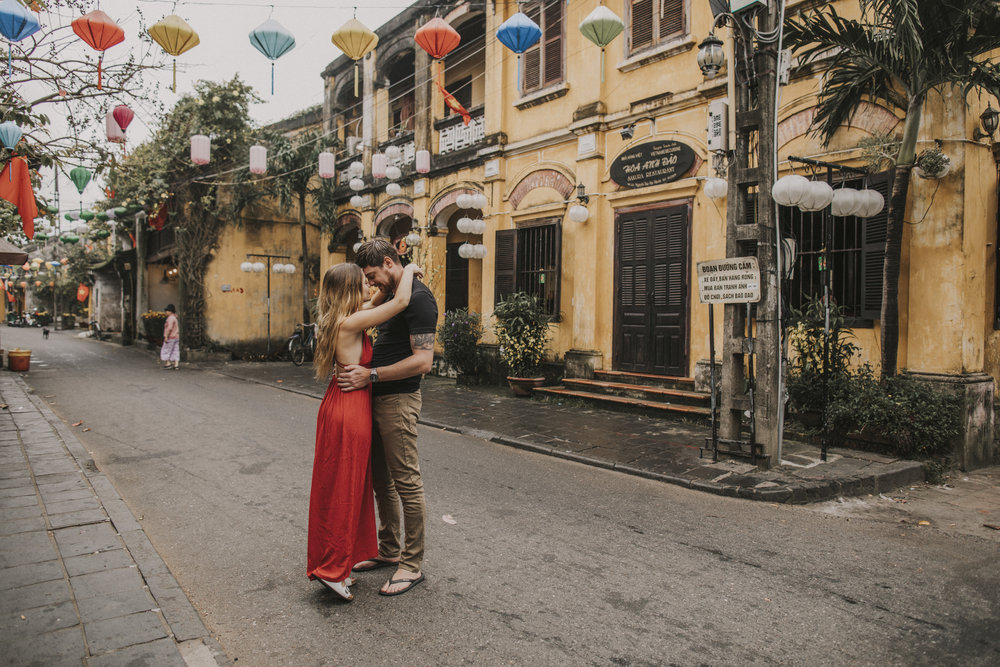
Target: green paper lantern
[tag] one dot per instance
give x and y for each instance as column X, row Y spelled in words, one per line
column 120, row 210
column 601, row 26
column 103, row 217
column 41, row 236
column 52, row 208
column 87, row 215
column 70, row 238
column 69, row 217
column 102, row 234
column 80, row 178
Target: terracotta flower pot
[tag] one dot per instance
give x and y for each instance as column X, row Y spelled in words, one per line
column 19, row 360
column 523, row 386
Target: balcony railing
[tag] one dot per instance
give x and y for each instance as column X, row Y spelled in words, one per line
column 454, row 135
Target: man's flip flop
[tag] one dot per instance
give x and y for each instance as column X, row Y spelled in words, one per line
column 376, row 563
column 393, row 582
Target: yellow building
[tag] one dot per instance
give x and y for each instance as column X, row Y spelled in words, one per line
column 552, row 129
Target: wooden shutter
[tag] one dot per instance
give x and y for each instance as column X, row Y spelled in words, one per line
column 671, row 18
column 531, row 61
column 873, row 253
column 641, row 28
column 552, row 36
column 505, row 277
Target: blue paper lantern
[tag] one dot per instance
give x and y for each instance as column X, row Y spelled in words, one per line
column 10, row 134
column 273, row 40
column 519, row 33
column 16, row 23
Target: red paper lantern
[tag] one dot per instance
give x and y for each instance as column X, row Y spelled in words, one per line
column 100, row 32
column 437, row 38
column 123, row 116
column 82, row 292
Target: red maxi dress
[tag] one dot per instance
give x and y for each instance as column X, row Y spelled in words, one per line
column 341, row 504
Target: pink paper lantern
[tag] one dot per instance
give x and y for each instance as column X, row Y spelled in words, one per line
column 379, row 164
column 423, row 162
column 201, row 149
column 258, row 160
column 326, row 165
column 114, row 132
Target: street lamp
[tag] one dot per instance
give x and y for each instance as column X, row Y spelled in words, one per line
column 259, row 267
column 711, row 57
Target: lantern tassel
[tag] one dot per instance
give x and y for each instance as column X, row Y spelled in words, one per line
column 175, row 75
column 519, row 74
column 272, row 79
column 10, row 66
column 356, row 78
column 100, row 60
column 602, row 65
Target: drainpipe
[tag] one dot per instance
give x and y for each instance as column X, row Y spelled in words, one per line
column 140, row 273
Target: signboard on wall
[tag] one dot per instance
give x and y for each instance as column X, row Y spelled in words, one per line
column 652, row 163
column 730, row 280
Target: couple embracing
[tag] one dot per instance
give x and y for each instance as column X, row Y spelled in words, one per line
column 366, row 431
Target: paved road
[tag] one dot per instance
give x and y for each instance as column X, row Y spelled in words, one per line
column 549, row 561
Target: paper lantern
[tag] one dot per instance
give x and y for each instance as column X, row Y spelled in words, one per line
column 41, row 236
column 278, row 268
column 82, row 292
column 465, row 251
column 716, row 188
column 201, row 149
column 327, row 162
column 437, row 38
column 872, row 203
column 413, row 239
column 356, row 184
column 379, row 164
column 479, row 201
column 845, row 202
column 423, row 159
column 289, row 268
column 578, row 213
column 113, row 130
column 10, row 134
column 464, row 200
column 246, row 267
column 393, row 152
column 86, row 215
column 601, row 26
column 174, row 36
column 99, row 31
column 16, row 23
column 393, row 189
column 392, row 172
column 519, row 33
column 357, row 201
column 356, row 41
column 463, row 225
column 356, row 169
column 818, row 196
column 120, row 210
column 788, row 190
column 80, row 178
column 273, row 40
column 258, row 267
column 69, row 238
column 258, row 160
column 102, row 216
column 123, row 116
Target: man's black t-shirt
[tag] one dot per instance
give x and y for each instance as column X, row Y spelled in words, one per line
column 393, row 341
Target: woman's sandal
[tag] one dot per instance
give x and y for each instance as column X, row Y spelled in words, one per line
column 340, row 588
column 376, row 563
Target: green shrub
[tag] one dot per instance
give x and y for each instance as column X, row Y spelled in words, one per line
column 522, row 329
column 459, row 334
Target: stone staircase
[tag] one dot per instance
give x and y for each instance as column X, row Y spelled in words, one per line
column 653, row 395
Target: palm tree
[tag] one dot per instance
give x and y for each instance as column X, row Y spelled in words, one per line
column 896, row 54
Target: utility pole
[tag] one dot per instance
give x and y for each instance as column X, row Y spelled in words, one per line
column 751, row 360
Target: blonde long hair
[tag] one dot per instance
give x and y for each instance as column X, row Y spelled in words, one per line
column 341, row 296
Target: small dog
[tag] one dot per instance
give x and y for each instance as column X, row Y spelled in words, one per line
column 45, row 333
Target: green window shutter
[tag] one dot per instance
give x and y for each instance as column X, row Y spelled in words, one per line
column 505, row 276
column 873, row 253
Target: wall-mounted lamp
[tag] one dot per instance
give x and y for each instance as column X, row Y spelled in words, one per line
column 628, row 131
column 989, row 119
column 578, row 212
column 581, row 194
column 711, row 57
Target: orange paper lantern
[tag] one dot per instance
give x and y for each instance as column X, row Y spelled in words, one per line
column 100, row 32
column 437, row 38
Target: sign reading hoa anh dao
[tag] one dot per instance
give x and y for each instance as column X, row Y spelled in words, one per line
column 652, row 163
column 730, row 280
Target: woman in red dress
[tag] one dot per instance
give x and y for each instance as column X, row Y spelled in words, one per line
column 341, row 506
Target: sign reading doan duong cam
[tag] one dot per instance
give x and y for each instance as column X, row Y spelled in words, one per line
column 652, row 163
column 732, row 280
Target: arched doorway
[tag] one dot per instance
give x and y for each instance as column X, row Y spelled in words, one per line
column 345, row 235
column 395, row 227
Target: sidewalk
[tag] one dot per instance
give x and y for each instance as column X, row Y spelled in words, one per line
column 648, row 447
column 80, row 583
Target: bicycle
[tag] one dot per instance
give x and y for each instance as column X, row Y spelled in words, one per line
column 302, row 343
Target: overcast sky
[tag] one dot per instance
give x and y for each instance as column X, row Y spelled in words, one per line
column 223, row 27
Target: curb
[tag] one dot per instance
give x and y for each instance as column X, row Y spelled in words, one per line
column 193, row 640
column 896, row 475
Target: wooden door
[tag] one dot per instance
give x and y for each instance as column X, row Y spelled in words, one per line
column 651, row 289
column 456, row 281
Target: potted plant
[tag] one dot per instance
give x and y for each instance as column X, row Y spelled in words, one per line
column 459, row 334
column 522, row 329
column 932, row 163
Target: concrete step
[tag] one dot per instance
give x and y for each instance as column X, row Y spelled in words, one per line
column 627, row 404
column 641, row 392
column 662, row 381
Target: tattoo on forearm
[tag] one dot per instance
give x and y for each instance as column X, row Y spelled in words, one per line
column 422, row 341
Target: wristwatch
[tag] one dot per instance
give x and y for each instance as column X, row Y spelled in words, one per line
column 373, row 376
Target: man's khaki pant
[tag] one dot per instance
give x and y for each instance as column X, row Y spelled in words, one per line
column 396, row 477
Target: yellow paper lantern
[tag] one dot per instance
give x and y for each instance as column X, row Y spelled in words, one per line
column 175, row 36
column 356, row 41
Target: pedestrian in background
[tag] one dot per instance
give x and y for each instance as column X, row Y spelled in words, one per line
column 341, row 506
column 171, row 350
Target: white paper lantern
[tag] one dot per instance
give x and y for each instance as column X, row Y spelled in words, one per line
column 356, row 169
column 357, row 201
column 578, row 213
column 356, row 184
column 845, row 202
column 74, row 215
column 392, row 172
column 479, row 201
column 479, row 227
column 482, row 251
column 872, row 203
column 464, row 200
column 258, row 267
column 289, row 268
column 465, row 251
column 379, row 164
column 80, row 230
column 423, row 161
column 113, row 130
column 818, row 196
column 356, row 246
column 201, row 149
column 278, row 268
column 413, row 239
column 258, row 160
column 393, row 152
column 716, row 188
column 788, row 190
column 246, row 267
column 463, row 225
column 110, row 213
column 327, row 165
column 393, row 189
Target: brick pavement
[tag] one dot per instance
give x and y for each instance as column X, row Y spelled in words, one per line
column 80, row 583
column 649, row 447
